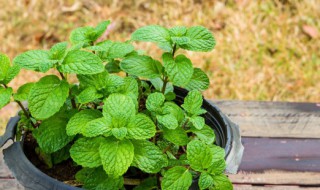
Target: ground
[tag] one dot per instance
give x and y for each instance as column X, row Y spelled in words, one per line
column 266, row 50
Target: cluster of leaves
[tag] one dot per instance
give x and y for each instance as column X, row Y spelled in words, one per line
column 119, row 127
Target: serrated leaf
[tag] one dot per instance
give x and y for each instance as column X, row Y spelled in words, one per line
column 88, row 95
column 206, row 134
column 180, row 41
column 154, row 33
column 82, row 35
column 5, row 95
column 221, row 182
column 120, row 107
column 177, row 136
column 158, row 84
column 148, row 157
column 199, row 155
column 111, row 184
column 51, row 134
column 12, row 72
column 85, row 152
column 176, row 178
column 130, row 88
column 169, row 121
column 147, row 184
column 120, row 132
column 198, row 81
column 193, row 102
column 101, row 28
column 91, row 177
column 95, row 127
column 113, row 66
column 98, row 81
column 205, row 181
column 58, row 51
column 4, row 66
column 200, row 39
column 119, row 50
column 23, row 92
column 101, row 46
column 155, row 102
column 197, row 122
column 116, row 156
column 141, row 65
column 217, row 167
column 79, row 121
column 141, row 127
column 178, row 31
column 61, row 155
column 179, row 70
column 37, row 60
column 217, row 152
column 174, row 109
column 81, row 62
column 113, row 83
column 47, row 96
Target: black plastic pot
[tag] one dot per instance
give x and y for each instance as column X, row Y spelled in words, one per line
column 227, row 136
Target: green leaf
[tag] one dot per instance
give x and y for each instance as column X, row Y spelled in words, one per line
column 101, row 28
column 198, row 81
column 37, row 60
column 101, row 46
column 5, row 95
column 197, row 122
column 47, row 96
column 177, row 136
column 81, row 62
column 82, row 35
column 141, row 127
column 158, row 84
column 147, row 184
column 200, row 39
column 178, row 31
column 217, row 167
column 98, row 81
column 116, row 156
column 176, row 178
column 111, row 184
column 85, row 152
column 193, row 102
column 51, row 134
column 120, row 132
column 12, row 72
column 199, row 155
column 113, row 66
column 179, row 70
column 4, row 66
column 91, row 177
column 205, row 181
column 120, row 107
column 88, row 95
column 61, row 155
column 217, row 152
column 154, row 33
column 206, row 134
column 173, row 109
column 155, row 101
column 118, row 50
column 113, row 83
column 79, row 121
column 221, row 182
column 58, row 51
column 23, row 92
column 148, row 157
column 169, row 121
column 97, row 127
column 141, row 65
column 130, row 88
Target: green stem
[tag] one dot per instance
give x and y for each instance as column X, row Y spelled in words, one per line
column 165, row 79
column 26, row 113
column 73, row 102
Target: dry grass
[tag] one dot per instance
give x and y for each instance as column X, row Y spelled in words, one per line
column 266, row 50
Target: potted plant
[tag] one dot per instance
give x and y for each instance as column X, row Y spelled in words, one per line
column 126, row 123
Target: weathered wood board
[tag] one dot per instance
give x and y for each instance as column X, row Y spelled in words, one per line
column 274, row 119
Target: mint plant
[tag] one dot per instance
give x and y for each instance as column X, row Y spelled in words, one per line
column 120, row 122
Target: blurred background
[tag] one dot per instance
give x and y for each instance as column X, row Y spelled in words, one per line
column 266, row 50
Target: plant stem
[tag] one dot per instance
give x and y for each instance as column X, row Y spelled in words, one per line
column 23, row 109
column 166, row 149
column 165, row 79
column 128, row 181
column 73, row 102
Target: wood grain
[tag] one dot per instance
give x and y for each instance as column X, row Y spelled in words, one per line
column 274, row 119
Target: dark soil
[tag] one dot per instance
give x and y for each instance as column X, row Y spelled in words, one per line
column 65, row 171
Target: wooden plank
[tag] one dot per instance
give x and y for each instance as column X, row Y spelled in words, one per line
column 272, row 187
column 262, row 154
column 276, row 177
column 274, row 119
